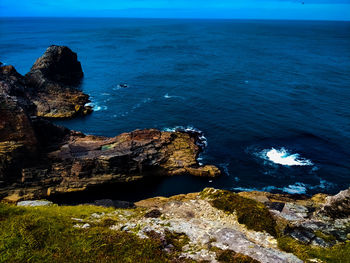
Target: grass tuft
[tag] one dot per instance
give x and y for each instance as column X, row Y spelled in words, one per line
column 46, row 234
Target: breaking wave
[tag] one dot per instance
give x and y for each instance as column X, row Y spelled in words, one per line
column 284, row 157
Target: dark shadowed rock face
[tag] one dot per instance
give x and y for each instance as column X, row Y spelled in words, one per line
column 52, row 84
column 58, row 64
column 18, row 143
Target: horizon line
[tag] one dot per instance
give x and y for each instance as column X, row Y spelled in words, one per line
column 183, row 18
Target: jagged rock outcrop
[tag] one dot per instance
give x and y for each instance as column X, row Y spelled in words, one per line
column 321, row 221
column 337, row 206
column 52, row 84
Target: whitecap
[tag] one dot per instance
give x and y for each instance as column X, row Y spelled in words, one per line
column 167, row 96
column 297, row 188
column 283, row 157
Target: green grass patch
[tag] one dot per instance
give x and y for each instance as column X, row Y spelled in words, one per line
column 325, row 237
column 46, row 234
column 253, row 214
column 339, row 253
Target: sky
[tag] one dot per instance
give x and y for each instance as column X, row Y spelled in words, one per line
column 240, row 9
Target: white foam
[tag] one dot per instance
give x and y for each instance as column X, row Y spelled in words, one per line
column 167, row 96
column 96, row 107
column 297, row 188
column 283, row 157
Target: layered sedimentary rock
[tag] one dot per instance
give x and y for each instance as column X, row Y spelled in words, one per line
column 72, row 161
column 53, row 84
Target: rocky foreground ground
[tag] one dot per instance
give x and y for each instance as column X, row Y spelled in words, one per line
column 210, row 226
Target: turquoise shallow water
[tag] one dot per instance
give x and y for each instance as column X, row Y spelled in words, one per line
column 272, row 97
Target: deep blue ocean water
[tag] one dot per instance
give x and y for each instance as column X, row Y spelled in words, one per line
column 272, row 97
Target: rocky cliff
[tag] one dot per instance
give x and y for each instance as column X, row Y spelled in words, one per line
column 38, row 158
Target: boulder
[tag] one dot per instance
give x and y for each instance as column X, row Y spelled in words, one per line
column 337, row 206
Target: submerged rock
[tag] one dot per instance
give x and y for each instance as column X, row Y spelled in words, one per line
column 53, row 84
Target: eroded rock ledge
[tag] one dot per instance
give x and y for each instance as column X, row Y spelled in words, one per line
column 38, row 158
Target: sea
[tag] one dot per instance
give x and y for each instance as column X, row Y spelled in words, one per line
column 271, row 97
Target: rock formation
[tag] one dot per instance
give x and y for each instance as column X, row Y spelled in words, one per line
column 72, row 161
column 53, row 84
column 38, row 158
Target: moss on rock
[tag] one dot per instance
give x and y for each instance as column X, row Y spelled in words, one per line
column 339, row 253
column 253, row 214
